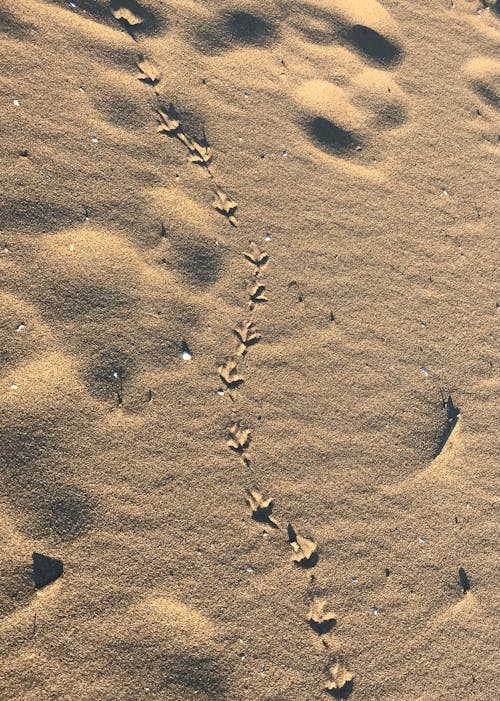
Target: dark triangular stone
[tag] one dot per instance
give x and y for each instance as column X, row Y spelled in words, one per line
column 45, row 569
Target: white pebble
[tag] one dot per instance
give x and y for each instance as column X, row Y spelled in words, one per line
column 420, row 539
column 94, row 139
column 20, row 327
column 354, row 580
column 375, row 611
column 186, row 355
column 220, row 392
column 16, row 103
column 425, row 372
column 267, row 237
column 13, row 386
column 249, row 569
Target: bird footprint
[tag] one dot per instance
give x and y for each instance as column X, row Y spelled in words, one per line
column 321, row 621
column 256, row 257
column 225, row 205
column 340, row 682
column 239, row 440
column 247, row 334
column 304, row 550
column 228, row 372
column 261, row 508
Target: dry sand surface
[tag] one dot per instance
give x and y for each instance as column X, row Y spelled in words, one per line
column 249, row 350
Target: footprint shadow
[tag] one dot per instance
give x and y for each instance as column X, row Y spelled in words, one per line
column 331, row 137
column 232, row 29
column 373, row 46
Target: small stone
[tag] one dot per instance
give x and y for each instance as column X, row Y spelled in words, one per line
column 23, row 152
column 249, row 569
column 16, row 103
column 94, row 139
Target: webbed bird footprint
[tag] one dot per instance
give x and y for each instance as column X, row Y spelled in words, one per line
column 228, row 372
column 247, row 334
column 340, row 682
column 261, row 508
column 256, row 256
column 321, row 621
column 304, row 550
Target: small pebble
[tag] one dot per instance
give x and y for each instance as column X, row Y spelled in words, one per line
column 5, row 249
column 267, row 237
column 249, row 569
column 16, row 103
column 420, row 539
column 94, row 139
column 20, row 327
column 220, row 392
column 265, row 534
column 71, row 247
column 375, row 611
column 284, row 153
column 425, row 372
column 246, row 94
column 186, row 355
column 354, row 580
column 13, row 386
column 23, row 152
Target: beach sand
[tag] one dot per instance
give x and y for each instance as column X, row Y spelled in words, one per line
column 249, row 352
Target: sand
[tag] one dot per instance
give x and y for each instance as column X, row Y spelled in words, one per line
column 249, row 350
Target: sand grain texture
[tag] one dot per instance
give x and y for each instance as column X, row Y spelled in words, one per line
column 247, row 252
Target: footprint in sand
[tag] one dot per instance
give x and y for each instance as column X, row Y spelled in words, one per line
column 483, row 76
column 344, row 110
